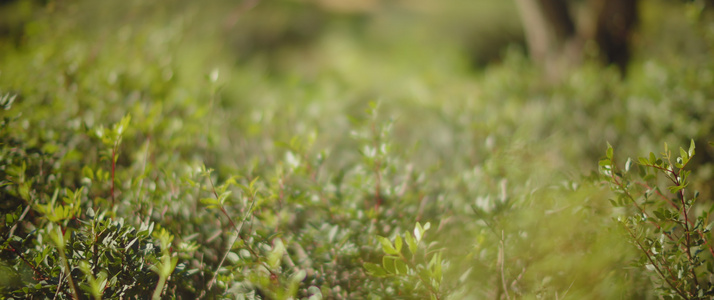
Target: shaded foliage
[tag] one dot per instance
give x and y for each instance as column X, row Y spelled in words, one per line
column 155, row 156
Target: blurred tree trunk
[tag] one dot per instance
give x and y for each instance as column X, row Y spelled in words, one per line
column 557, row 31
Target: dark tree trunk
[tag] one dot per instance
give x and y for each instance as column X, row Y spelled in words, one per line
column 556, row 34
column 614, row 27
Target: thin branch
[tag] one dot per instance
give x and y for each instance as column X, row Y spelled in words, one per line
column 502, row 259
column 661, row 274
column 39, row 274
column 642, row 210
column 688, row 233
column 22, row 216
column 237, row 230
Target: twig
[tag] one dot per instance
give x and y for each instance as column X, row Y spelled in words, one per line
column 687, row 232
column 59, row 285
column 568, row 290
column 22, row 216
column 501, row 259
column 34, row 269
column 67, row 268
column 661, row 274
column 237, row 230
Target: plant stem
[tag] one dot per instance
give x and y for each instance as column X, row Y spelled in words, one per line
column 424, row 281
column 502, row 258
column 687, row 232
column 37, row 272
column 67, row 269
column 237, row 230
column 159, row 288
column 661, row 274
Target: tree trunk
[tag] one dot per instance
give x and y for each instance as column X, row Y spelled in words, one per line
column 615, row 23
column 556, row 34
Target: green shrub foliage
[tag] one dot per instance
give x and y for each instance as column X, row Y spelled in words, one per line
column 672, row 233
column 175, row 150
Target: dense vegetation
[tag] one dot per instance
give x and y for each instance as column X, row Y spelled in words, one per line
column 298, row 149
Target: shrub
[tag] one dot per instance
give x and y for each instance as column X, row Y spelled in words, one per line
column 671, row 232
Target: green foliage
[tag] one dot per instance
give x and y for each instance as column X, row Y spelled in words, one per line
column 413, row 273
column 672, row 233
column 206, row 151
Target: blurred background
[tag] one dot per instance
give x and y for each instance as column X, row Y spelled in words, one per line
column 510, row 100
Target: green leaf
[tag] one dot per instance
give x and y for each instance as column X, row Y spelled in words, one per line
column 691, row 148
column 437, row 267
column 398, row 244
column 610, row 151
column 387, row 245
column 643, row 161
column 676, row 188
column 276, row 254
column 24, row 190
column 653, row 159
column 388, row 262
column 252, row 183
column 50, row 148
column 210, row 202
column 222, row 197
column 87, row 172
column 374, row 269
column 659, row 214
column 401, row 267
column 412, row 244
column 122, row 125
column 683, row 153
column 298, row 277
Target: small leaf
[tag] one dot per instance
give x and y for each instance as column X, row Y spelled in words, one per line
column 401, row 267
column 437, row 267
column 411, row 242
column 275, row 256
column 333, row 232
column 87, row 172
column 252, row 183
column 659, row 214
column 609, row 152
column 418, row 232
column 676, row 188
column 427, row 226
column 387, row 245
column 298, row 277
column 398, row 244
column 222, row 197
column 643, row 161
column 653, row 159
column 388, row 262
column 210, row 202
column 691, row 148
column 374, row 269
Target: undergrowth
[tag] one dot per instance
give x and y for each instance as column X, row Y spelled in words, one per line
column 147, row 160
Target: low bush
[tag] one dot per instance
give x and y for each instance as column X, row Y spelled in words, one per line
column 355, row 164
